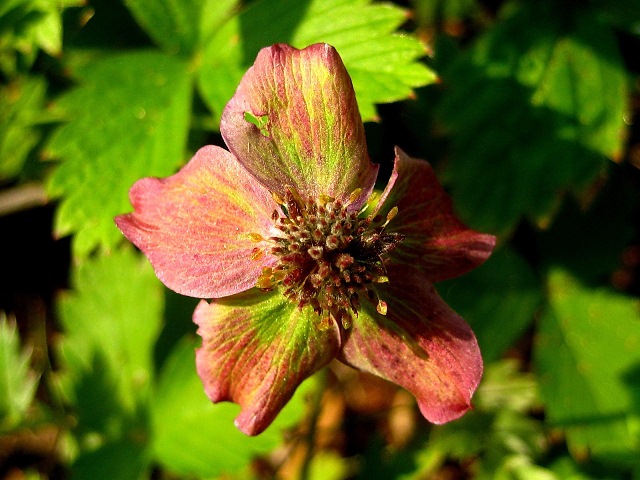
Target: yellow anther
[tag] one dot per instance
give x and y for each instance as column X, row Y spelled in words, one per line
column 392, row 213
column 255, row 237
column 325, row 323
column 381, row 279
column 381, row 307
column 277, row 198
column 354, row 196
column 324, row 199
column 345, row 319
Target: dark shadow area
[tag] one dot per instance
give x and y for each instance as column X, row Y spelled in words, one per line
column 276, row 20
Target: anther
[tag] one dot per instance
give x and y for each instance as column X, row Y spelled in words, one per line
column 277, row 198
column 315, row 252
column 332, row 242
column 392, row 213
column 354, row 196
column 381, row 308
column 255, row 237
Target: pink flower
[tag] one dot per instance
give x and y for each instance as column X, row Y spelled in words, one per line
column 302, row 262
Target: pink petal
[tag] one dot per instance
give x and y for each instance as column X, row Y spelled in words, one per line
column 436, row 241
column 256, row 349
column 310, row 135
column 421, row 345
column 194, row 226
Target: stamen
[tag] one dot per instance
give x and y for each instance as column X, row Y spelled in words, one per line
column 381, row 308
column 354, row 196
column 255, row 237
column 277, row 198
column 327, row 256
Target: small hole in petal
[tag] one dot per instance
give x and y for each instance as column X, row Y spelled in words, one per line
column 259, row 121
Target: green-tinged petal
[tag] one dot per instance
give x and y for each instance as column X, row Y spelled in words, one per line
column 420, row 344
column 257, row 347
column 435, row 240
column 294, row 121
column 201, row 227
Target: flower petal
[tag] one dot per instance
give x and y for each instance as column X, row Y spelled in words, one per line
column 436, row 241
column 294, row 121
column 194, row 226
column 257, row 347
column 421, row 345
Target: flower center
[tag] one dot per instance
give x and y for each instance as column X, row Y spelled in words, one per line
column 328, row 256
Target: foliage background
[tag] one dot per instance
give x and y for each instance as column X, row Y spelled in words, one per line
column 529, row 111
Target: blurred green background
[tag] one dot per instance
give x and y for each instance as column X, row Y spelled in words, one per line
column 528, row 110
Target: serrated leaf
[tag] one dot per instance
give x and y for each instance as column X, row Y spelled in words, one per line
column 111, row 320
column 498, row 299
column 21, row 108
column 193, row 436
column 174, row 24
column 534, row 108
column 382, row 64
column 588, row 356
column 27, row 26
column 17, row 383
column 128, row 119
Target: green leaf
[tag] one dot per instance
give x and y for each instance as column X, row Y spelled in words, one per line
column 499, row 435
column 620, row 13
column 27, row 26
column 499, row 300
column 124, row 460
column 17, row 383
column 588, row 356
column 21, row 109
column 432, row 12
column 534, row 107
column 382, row 64
column 193, row 436
column 566, row 468
column 178, row 26
column 111, row 320
column 128, row 119
column 599, row 232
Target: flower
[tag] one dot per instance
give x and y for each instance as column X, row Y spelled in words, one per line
column 303, row 261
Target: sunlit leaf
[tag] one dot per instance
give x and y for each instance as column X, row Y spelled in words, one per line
column 193, row 436
column 534, row 107
column 17, row 382
column 110, row 322
column 178, row 26
column 588, row 356
column 26, row 26
column 382, row 63
column 498, row 299
column 21, row 108
column 129, row 119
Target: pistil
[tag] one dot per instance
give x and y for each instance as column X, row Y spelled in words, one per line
column 329, row 257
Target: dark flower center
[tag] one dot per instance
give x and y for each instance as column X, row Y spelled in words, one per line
column 329, row 257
